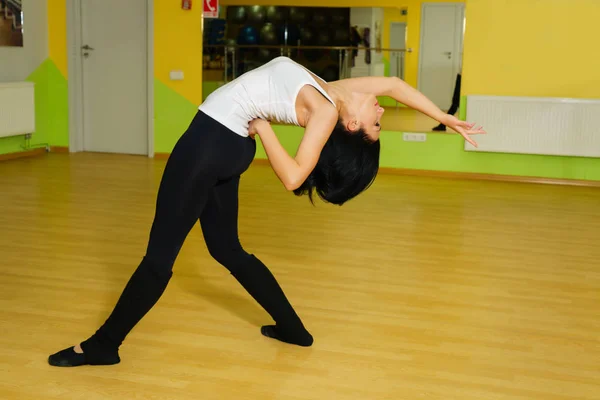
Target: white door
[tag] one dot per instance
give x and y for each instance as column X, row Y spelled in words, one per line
column 115, row 77
column 397, row 41
column 441, row 51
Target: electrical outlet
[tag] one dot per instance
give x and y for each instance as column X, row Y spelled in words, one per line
column 176, row 75
column 415, row 137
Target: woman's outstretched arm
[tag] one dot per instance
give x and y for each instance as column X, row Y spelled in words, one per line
column 402, row 92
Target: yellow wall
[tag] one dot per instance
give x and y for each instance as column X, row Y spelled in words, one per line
column 544, row 54
column 178, row 46
column 57, row 34
column 532, row 48
column 391, row 15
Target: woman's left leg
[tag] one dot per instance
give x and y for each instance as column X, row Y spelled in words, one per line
column 185, row 186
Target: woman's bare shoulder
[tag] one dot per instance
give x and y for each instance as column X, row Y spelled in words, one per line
column 310, row 102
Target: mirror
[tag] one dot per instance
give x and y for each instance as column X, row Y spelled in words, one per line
column 11, row 23
column 254, row 35
column 344, row 42
column 438, row 67
column 430, row 58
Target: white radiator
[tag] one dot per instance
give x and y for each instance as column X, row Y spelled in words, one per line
column 531, row 125
column 17, row 109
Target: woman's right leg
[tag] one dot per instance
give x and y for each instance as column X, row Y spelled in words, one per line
column 183, row 192
column 219, row 221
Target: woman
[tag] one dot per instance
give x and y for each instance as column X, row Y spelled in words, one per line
column 338, row 158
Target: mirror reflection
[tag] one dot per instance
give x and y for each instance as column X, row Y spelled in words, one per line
column 338, row 42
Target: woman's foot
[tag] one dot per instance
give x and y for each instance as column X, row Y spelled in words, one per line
column 303, row 338
column 75, row 357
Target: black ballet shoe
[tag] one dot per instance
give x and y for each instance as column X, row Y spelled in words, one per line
column 70, row 358
column 440, row 128
column 304, row 339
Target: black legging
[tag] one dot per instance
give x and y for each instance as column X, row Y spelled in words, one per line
column 455, row 102
column 200, row 181
column 455, row 96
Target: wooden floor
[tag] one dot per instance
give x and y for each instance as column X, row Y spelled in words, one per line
column 421, row 288
column 403, row 119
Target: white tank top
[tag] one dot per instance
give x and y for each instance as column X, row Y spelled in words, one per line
column 268, row 92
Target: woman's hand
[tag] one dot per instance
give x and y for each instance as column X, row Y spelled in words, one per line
column 293, row 171
column 462, row 127
column 257, row 126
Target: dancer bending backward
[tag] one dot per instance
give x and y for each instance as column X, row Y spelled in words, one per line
column 337, row 159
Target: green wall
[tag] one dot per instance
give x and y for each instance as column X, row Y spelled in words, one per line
column 51, row 110
column 57, row 106
column 445, row 152
column 387, row 101
column 173, row 113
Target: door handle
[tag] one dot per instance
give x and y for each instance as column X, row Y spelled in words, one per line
column 86, row 50
column 449, row 54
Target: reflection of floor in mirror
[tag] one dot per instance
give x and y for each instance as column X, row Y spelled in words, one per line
column 8, row 37
column 406, row 120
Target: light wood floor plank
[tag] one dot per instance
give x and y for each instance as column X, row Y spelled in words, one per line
column 421, row 288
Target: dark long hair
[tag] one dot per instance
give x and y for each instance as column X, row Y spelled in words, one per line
column 347, row 166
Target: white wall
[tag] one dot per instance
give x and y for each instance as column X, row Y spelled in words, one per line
column 361, row 17
column 17, row 63
column 376, row 20
column 367, row 17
